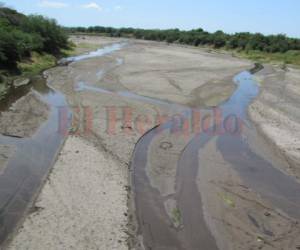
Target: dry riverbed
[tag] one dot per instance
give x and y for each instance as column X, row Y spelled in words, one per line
column 84, row 203
column 277, row 113
column 24, row 117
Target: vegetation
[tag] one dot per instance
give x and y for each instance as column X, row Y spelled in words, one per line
column 36, row 64
column 80, row 48
column 253, row 46
column 289, row 57
column 21, row 36
column 176, row 217
column 28, row 45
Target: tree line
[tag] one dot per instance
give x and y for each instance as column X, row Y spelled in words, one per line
column 20, row 35
column 243, row 41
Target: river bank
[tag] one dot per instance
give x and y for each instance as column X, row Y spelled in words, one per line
column 115, row 99
column 120, row 144
column 276, row 113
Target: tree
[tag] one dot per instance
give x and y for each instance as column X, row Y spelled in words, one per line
column 53, row 36
column 241, row 41
column 20, row 35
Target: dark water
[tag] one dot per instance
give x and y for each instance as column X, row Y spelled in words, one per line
column 257, row 172
column 34, row 157
column 29, row 166
column 154, row 223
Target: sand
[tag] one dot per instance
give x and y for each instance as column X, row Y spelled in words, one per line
column 24, row 117
column 237, row 215
column 82, row 205
column 277, row 113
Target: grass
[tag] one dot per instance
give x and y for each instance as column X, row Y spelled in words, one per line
column 81, row 47
column 176, row 216
column 68, row 52
column 290, row 57
column 27, row 68
column 40, row 62
column 36, row 64
column 227, row 199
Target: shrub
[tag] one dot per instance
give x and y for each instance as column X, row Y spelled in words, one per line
column 21, row 35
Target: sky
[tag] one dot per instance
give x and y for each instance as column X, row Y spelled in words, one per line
column 265, row 16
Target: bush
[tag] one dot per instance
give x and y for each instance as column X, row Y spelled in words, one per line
column 53, row 36
column 243, row 41
column 21, row 35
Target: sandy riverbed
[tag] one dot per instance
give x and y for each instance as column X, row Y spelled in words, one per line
column 277, row 113
column 24, row 117
column 83, row 204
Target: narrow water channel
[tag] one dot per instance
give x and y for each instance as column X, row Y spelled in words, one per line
column 31, row 162
column 155, row 226
column 34, row 157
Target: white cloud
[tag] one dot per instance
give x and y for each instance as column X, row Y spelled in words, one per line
column 92, row 5
column 118, row 7
column 51, row 4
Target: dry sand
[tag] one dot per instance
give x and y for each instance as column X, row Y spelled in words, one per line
column 178, row 74
column 84, row 185
column 277, row 113
column 24, row 117
column 86, row 44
